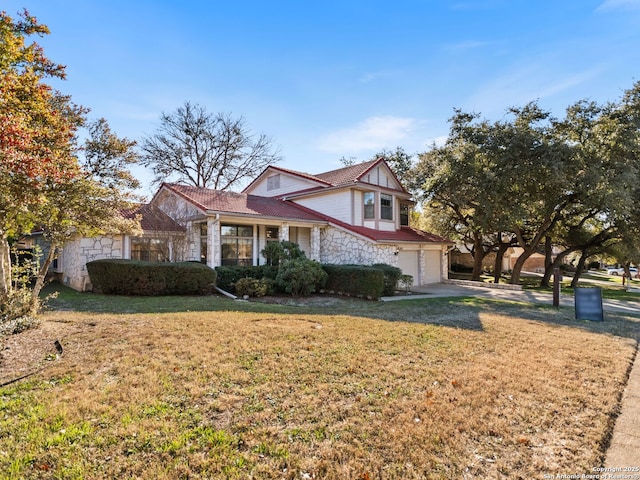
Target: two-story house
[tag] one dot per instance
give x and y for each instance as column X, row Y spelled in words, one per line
column 354, row 215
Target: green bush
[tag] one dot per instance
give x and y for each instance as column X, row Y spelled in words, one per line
column 253, row 287
column 356, row 280
column 229, row 276
column 301, row 276
column 391, row 277
column 277, row 252
column 131, row 277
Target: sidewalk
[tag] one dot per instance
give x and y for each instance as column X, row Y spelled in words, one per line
column 624, row 450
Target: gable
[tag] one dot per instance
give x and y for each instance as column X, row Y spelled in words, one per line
column 381, row 175
column 276, row 182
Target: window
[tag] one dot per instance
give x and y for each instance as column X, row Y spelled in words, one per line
column 404, row 214
column 237, row 245
column 369, row 205
column 386, row 207
column 150, row 249
column 273, row 182
column 273, row 234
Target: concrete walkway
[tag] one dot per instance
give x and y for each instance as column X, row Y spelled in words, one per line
column 624, row 450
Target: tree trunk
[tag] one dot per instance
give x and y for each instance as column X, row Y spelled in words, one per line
column 5, row 266
column 497, row 266
column 517, row 267
column 548, row 271
column 579, row 269
column 548, row 255
column 42, row 275
column 478, row 256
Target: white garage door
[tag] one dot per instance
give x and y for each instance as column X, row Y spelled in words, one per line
column 408, row 263
column 432, row 266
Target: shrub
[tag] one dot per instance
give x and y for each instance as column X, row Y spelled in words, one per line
column 300, row 276
column 20, row 305
column 131, row 277
column 229, row 276
column 254, row 287
column 356, row 280
column 277, row 252
column 391, row 277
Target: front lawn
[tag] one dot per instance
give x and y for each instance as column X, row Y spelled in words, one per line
column 447, row 388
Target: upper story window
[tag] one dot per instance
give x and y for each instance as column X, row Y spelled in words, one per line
column 369, row 205
column 386, row 207
column 273, row 182
column 404, row 214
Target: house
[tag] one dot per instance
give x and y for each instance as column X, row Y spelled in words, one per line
column 353, row 215
column 161, row 239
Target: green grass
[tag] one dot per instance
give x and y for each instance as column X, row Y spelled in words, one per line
column 208, row 387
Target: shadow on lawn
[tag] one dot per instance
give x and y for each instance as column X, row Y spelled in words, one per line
column 456, row 312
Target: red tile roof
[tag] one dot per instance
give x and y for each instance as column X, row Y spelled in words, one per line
column 345, row 175
column 153, row 219
column 253, row 205
column 242, row 203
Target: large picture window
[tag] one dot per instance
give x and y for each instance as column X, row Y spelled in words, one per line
column 150, row 249
column 369, row 205
column 237, row 245
column 386, row 207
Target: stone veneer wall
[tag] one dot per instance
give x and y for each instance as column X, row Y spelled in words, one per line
column 341, row 248
column 78, row 252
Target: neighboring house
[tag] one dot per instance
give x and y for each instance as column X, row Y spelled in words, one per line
column 353, row 215
column 461, row 256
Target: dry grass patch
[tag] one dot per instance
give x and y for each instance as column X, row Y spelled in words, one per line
column 263, row 395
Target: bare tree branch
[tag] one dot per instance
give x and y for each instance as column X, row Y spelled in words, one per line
column 206, row 150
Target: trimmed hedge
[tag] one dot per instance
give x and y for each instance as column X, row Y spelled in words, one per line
column 391, row 278
column 356, row 280
column 132, row 277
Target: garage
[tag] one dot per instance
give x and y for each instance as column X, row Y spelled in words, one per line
column 432, row 267
column 408, row 262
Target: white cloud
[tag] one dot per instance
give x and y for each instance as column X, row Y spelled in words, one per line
column 373, row 133
column 618, row 4
column 523, row 85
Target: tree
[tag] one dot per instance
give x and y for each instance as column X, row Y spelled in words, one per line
column 42, row 181
column 89, row 203
column 197, row 148
column 460, row 182
column 37, row 125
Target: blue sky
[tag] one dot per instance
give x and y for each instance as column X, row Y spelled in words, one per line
column 331, row 79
